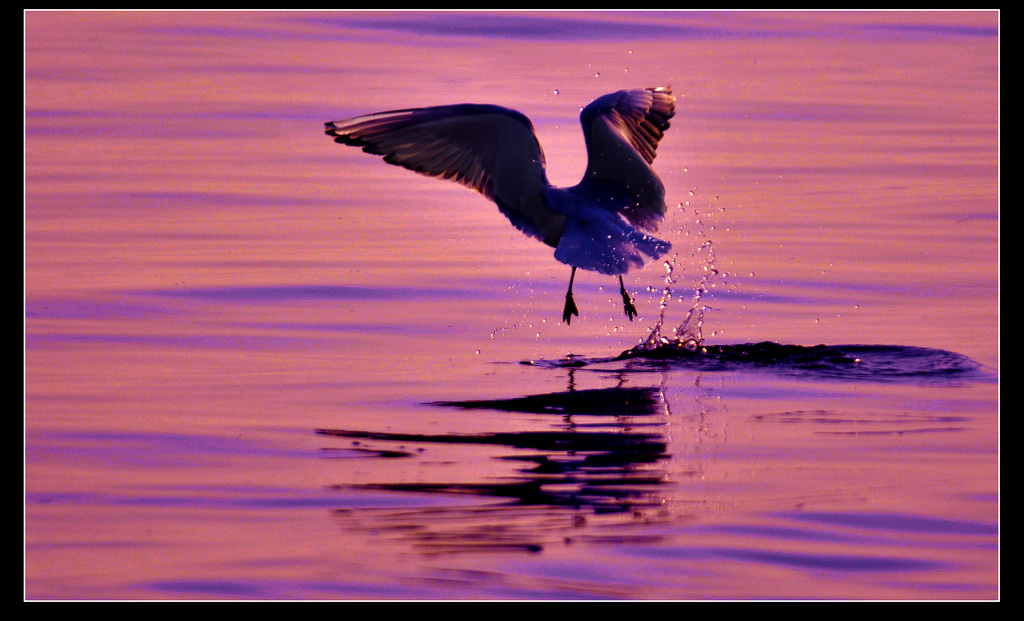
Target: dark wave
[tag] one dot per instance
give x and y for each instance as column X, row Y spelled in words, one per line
column 864, row 362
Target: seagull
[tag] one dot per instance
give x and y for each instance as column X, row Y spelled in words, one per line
column 602, row 224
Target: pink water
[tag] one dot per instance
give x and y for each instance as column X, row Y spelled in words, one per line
column 248, row 350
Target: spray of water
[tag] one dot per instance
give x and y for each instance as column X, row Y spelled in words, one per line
column 688, row 334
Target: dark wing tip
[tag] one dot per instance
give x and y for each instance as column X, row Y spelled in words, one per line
column 348, row 137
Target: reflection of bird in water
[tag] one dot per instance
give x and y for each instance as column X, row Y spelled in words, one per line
column 608, row 454
column 601, row 224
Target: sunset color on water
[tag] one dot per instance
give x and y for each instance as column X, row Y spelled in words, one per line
column 262, row 365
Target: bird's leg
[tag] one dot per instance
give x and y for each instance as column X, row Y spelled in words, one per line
column 570, row 305
column 627, row 301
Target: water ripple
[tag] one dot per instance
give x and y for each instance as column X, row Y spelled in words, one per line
column 848, row 362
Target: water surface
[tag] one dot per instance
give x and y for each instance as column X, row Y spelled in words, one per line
column 259, row 365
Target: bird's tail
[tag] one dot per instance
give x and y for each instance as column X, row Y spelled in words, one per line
column 606, row 242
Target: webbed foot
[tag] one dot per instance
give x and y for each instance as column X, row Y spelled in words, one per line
column 627, row 303
column 570, row 304
column 570, row 309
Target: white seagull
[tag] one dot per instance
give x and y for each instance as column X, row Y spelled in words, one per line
column 602, row 224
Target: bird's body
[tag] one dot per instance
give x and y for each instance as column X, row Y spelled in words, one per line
column 602, row 224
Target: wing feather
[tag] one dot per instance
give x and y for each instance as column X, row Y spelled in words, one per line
column 622, row 131
column 488, row 148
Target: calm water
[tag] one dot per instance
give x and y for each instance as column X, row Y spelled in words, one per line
column 260, row 365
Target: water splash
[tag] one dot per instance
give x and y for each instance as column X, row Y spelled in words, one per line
column 689, row 332
column 655, row 337
column 688, row 335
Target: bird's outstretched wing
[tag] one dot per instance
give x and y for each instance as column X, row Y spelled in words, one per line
column 491, row 149
column 622, row 132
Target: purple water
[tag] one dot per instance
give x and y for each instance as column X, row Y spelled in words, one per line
column 260, row 365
